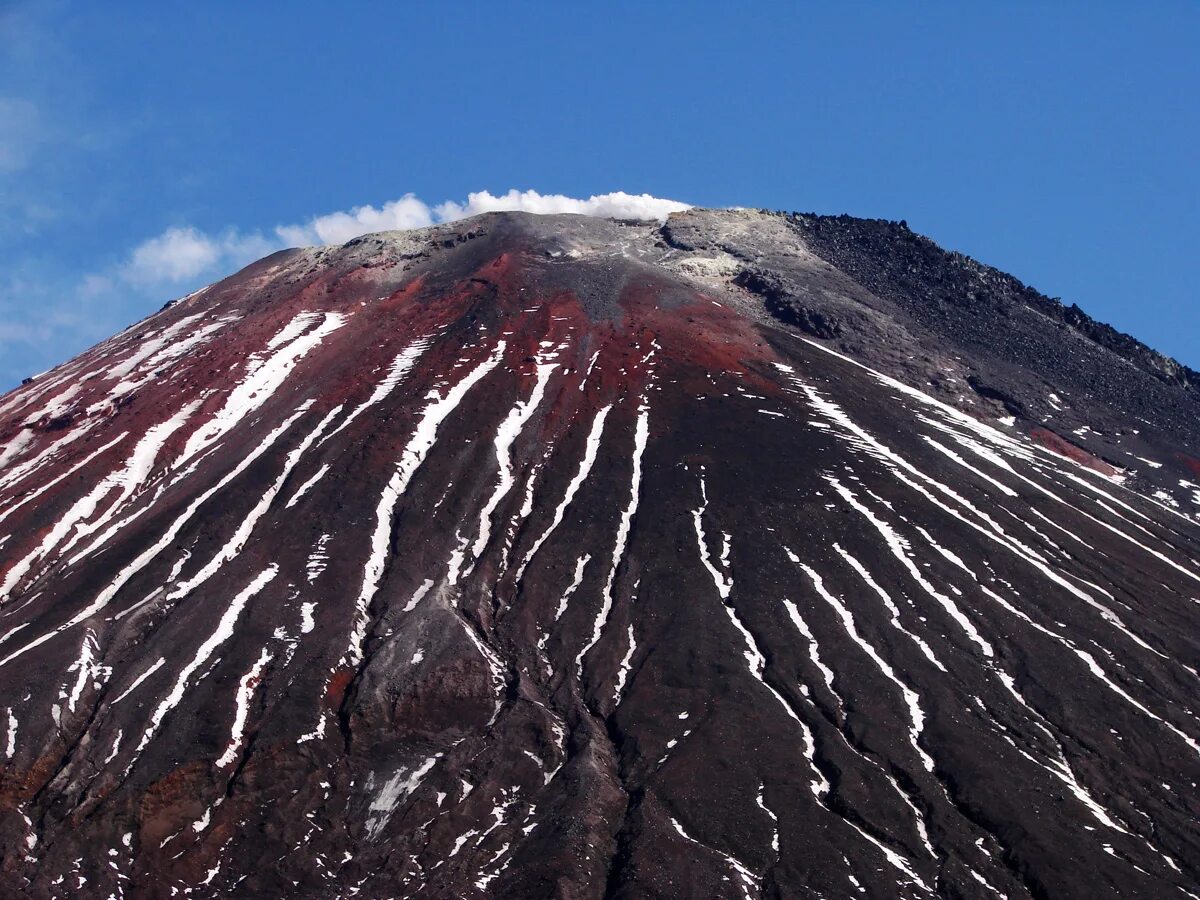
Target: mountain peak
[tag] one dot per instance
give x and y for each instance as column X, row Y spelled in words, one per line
column 739, row 554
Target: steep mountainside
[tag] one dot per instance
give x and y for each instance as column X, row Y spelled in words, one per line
column 744, row 556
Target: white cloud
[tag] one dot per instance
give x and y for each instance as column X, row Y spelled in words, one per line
column 174, row 255
column 339, row 227
column 618, row 205
column 182, row 254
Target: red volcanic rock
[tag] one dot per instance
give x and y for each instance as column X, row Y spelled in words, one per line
column 1191, row 462
column 554, row 557
column 1051, row 441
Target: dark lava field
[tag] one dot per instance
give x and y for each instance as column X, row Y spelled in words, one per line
column 746, row 555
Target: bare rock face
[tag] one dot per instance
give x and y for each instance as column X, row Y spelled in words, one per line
column 745, row 556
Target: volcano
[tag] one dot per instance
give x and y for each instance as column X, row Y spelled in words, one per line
column 745, row 555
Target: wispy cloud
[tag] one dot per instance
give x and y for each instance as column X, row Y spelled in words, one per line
column 181, row 254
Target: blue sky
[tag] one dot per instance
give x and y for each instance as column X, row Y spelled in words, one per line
column 148, row 148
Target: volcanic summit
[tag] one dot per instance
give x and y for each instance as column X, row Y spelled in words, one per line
column 745, row 555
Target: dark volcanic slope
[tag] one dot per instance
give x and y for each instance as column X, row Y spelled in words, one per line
column 553, row 557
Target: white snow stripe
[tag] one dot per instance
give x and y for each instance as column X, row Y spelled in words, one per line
column 293, row 329
column 588, row 373
column 318, row 559
column 150, row 345
column 994, row 437
column 246, row 526
column 396, row 374
column 894, row 858
column 307, row 486
column 564, row 600
column 137, row 681
column 88, row 667
column 1059, row 767
column 749, row 881
column 394, row 791
column 589, row 458
column 1092, row 665
column 15, row 446
column 151, row 366
column 10, row 748
column 814, row 650
column 45, row 455
column 499, row 681
column 265, row 376
column 245, row 691
column 722, row 581
column 414, row 453
column 222, row 633
column 1001, row 463
column 756, row 660
column 760, row 799
column 898, row 466
column 33, row 495
column 150, row 553
column 640, row 435
column 950, row 454
column 894, row 610
column 911, row 699
column 129, row 479
column 506, row 434
column 625, row 666
column 896, row 546
column 57, row 405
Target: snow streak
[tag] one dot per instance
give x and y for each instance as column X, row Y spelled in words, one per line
column 506, row 434
column 396, row 374
column 222, row 633
column 143, row 559
column 265, row 375
column 916, row 714
column 245, row 691
column 640, row 436
column 411, row 458
column 589, row 458
column 74, row 526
